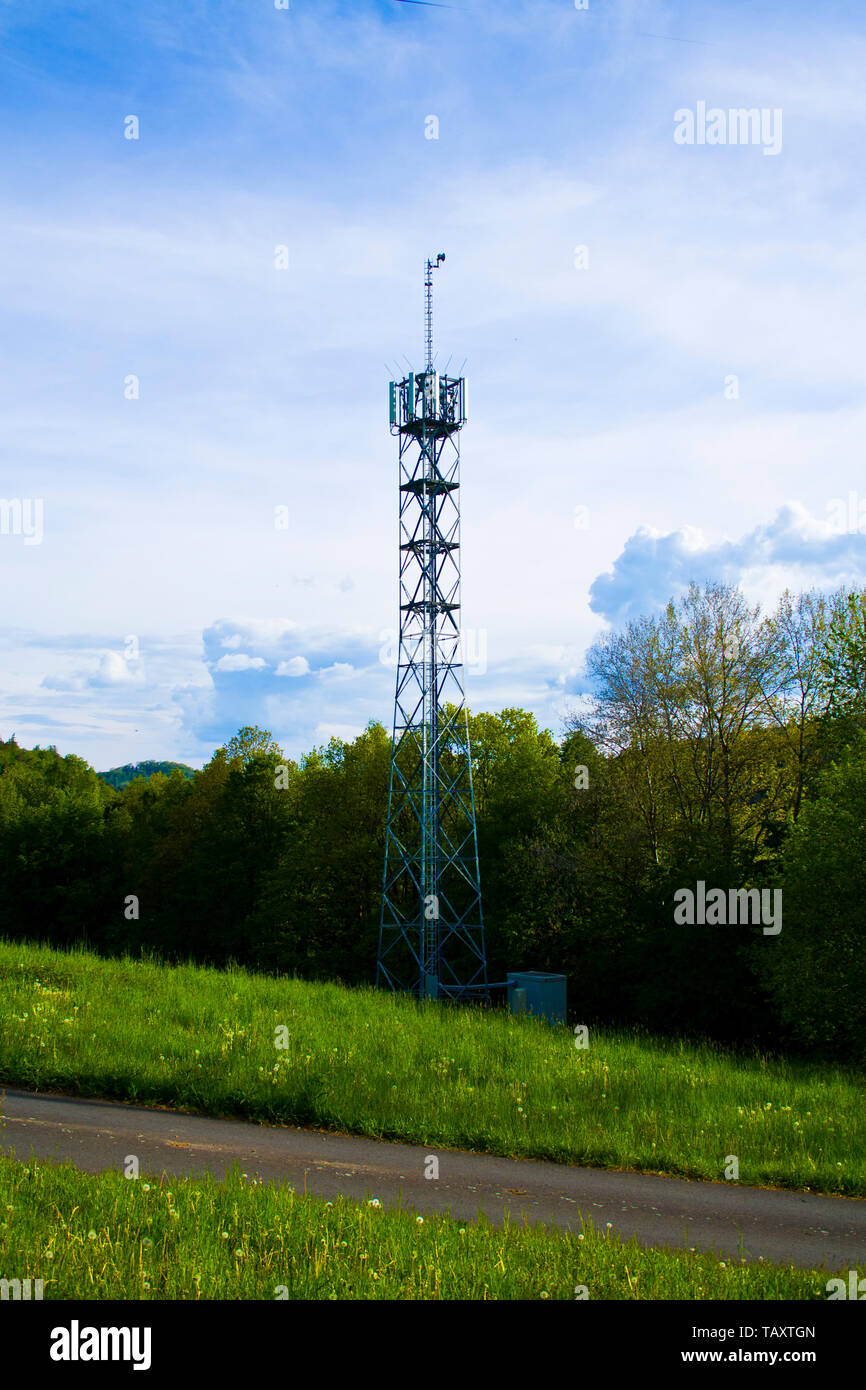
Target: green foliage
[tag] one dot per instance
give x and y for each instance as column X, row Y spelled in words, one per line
column 844, row 656
column 119, row 777
column 716, row 723
column 818, row 974
column 53, row 868
column 249, row 743
column 516, row 768
column 323, row 894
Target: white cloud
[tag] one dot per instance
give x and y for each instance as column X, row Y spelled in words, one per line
column 295, row 666
column 345, row 732
column 340, row 671
column 794, row 547
column 111, row 670
column 240, row 661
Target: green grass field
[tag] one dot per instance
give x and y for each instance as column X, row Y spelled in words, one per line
column 363, row 1062
column 108, row 1237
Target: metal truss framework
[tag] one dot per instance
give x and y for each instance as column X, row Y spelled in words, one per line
column 431, row 934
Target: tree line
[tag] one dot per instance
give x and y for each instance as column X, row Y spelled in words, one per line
column 722, row 746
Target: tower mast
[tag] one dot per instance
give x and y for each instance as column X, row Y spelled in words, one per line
column 431, row 931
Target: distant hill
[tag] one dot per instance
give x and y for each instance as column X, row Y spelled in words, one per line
column 118, row 777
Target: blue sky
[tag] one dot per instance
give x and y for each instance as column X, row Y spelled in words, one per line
column 610, row 456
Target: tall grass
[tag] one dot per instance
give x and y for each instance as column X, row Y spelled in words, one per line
column 109, row 1237
column 368, row 1063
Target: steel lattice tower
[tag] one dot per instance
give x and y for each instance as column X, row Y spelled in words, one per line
column 431, row 933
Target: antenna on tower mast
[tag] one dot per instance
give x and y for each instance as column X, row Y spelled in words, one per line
column 428, row 315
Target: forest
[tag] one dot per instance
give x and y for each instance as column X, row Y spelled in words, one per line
column 720, row 745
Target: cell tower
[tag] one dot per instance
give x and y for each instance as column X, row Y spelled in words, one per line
column 431, row 932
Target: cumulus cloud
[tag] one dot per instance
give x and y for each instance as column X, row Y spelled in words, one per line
column 240, row 661
column 295, row 666
column 297, row 681
column 653, row 567
column 111, row 670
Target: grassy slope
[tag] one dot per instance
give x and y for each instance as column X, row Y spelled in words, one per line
column 367, row 1063
column 112, row 1237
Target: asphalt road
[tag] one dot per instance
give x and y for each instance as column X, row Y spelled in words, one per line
column 784, row 1227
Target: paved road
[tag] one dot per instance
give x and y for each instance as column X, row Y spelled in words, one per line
column 786, row 1227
